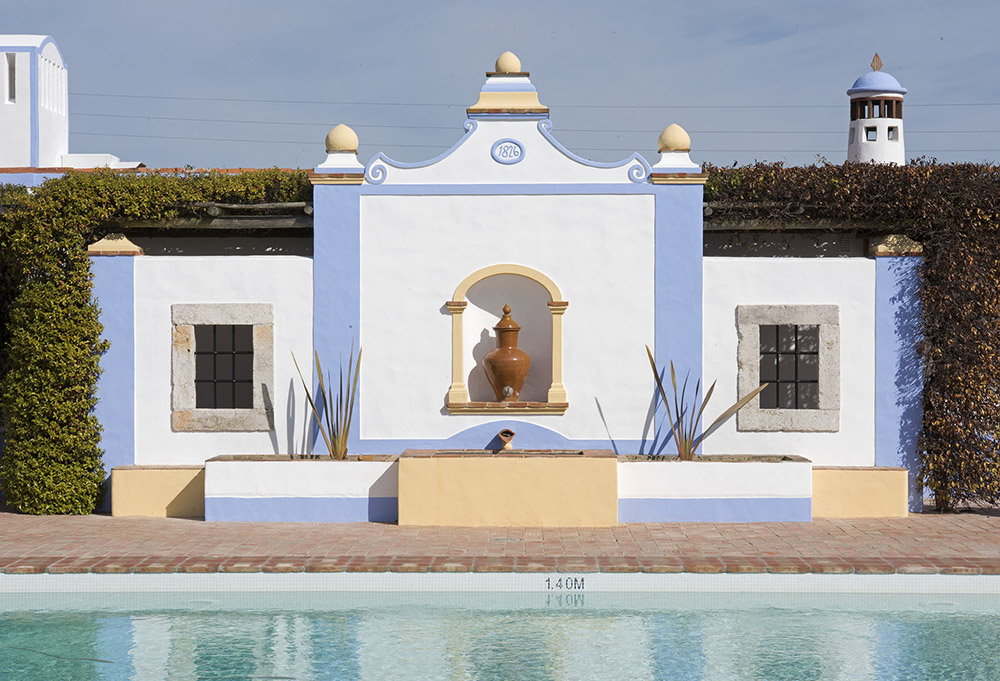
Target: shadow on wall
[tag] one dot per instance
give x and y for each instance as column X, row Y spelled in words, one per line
column 909, row 375
column 528, row 302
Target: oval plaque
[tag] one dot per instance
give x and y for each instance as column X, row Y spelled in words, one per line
column 507, row 151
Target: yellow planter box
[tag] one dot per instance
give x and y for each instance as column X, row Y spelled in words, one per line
column 519, row 488
column 860, row 492
column 158, row 491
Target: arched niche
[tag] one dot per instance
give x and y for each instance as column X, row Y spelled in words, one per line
column 484, row 289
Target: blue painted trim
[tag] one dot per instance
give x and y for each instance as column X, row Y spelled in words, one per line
column 375, row 170
column 337, row 281
column 508, row 116
column 636, row 173
column 899, row 380
column 27, row 179
column 114, row 287
column 303, row 509
column 529, row 436
column 33, row 155
column 677, row 290
column 509, row 189
column 507, row 161
column 506, row 85
column 726, row 510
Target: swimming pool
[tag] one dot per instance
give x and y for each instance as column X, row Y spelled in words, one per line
column 552, row 633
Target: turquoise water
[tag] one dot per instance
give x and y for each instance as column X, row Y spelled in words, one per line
column 383, row 637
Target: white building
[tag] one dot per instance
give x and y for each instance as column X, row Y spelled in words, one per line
column 34, row 109
column 876, row 130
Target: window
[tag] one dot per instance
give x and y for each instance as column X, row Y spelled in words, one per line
column 893, row 134
column 789, row 364
column 795, row 348
column 871, row 134
column 222, row 368
column 11, row 77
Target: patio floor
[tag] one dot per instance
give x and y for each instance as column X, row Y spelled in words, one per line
column 965, row 543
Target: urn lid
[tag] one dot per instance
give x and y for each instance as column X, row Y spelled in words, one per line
column 506, row 322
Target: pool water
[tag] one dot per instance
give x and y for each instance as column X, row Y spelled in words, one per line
column 413, row 636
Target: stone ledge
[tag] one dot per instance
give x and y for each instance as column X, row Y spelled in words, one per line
column 507, row 407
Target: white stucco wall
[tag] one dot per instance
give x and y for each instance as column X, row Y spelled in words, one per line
column 53, row 114
column 846, row 282
column 15, row 117
column 542, row 162
column 160, row 281
column 599, row 251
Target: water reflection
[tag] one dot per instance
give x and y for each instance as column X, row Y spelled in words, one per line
column 499, row 636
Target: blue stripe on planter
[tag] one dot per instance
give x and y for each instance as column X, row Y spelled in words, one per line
column 304, row 509
column 726, row 510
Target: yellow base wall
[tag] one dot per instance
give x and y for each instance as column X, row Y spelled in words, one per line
column 158, row 491
column 505, row 492
column 859, row 492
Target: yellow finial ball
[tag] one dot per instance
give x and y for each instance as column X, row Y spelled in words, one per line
column 674, row 138
column 341, row 139
column 508, row 63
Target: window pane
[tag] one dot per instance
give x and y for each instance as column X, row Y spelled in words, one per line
column 243, row 395
column 223, row 367
column 871, row 134
column 768, row 368
column 808, row 395
column 243, row 367
column 809, row 338
column 204, row 395
column 224, row 338
column 808, row 368
column 786, row 338
column 204, row 367
column 204, row 338
column 786, row 367
column 769, row 397
column 224, row 396
column 786, row 396
column 769, row 339
column 243, row 341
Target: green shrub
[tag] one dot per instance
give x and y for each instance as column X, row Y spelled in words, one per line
column 50, row 343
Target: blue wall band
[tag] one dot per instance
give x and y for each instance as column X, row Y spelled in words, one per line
column 303, row 509
column 726, row 510
column 114, row 287
column 899, row 381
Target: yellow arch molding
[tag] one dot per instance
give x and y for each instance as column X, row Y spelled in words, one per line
column 520, row 270
column 458, row 392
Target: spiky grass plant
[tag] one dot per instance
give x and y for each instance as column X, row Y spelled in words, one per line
column 684, row 421
column 337, row 428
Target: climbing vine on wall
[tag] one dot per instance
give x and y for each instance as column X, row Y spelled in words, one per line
column 50, row 343
column 954, row 211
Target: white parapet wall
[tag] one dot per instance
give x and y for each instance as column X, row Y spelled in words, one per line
column 846, row 284
column 282, row 285
column 418, row 249
column 247, row 488
column 715, row 491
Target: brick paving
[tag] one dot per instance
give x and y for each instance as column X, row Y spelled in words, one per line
column 966, row 543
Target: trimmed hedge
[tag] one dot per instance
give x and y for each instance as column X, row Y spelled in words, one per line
column 50, row 345
column 954, row 211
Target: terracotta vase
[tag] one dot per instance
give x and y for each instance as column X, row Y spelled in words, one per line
column 507, row 366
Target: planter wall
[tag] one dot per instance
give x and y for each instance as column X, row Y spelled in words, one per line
column 281, row 489
column 715, row 491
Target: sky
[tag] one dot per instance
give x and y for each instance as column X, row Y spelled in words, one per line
column 249, row 83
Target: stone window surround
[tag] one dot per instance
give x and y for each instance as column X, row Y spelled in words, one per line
column 185, row 417
column 826, row 419
column 457, row 401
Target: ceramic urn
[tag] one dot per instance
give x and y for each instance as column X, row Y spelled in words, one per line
column 507, row 366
